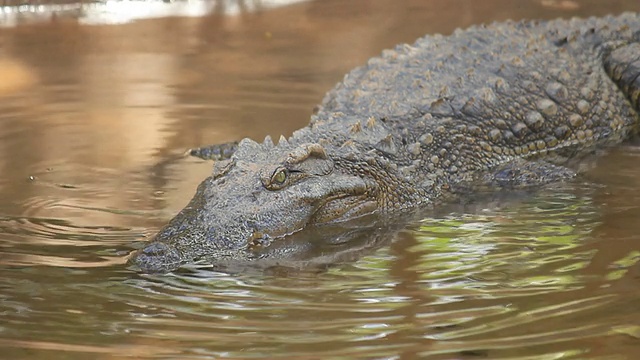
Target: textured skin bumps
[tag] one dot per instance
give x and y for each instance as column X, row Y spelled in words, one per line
column 532, row 89
column 497, row 106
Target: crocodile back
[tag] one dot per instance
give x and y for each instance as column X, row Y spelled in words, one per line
column 622, row 63
column 488, row 94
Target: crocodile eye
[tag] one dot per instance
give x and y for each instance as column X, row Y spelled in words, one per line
column 278, row 179
column 279, row 176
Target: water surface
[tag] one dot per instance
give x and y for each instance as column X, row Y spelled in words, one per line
column 91, row 108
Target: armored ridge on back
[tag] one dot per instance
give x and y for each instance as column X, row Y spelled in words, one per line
column 504, row 105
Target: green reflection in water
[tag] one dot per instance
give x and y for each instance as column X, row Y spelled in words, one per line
column 621, row 267
column 531, row 244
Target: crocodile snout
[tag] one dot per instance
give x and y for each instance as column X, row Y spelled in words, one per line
column 156, row 257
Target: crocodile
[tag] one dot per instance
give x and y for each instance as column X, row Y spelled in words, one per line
column 494, row 107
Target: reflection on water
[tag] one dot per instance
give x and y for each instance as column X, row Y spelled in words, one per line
column 90, row 114
column 501, row 282
column 99, row 12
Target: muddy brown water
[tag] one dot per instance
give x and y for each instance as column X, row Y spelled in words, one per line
column 88, row 109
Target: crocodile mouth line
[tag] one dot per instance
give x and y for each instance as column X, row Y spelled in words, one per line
column 259, row 239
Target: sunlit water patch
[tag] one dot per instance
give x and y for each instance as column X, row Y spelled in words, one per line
column 102, row 12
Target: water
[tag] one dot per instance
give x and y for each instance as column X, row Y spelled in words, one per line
column 90, row 111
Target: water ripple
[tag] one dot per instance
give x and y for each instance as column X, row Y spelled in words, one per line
column 494, row 283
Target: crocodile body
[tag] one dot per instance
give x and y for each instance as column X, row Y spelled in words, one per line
column 497, row 106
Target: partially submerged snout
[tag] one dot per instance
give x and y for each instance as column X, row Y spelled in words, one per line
column 157, row 257
column 262, row 194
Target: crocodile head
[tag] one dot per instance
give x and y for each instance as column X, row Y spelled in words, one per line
column 262, row 194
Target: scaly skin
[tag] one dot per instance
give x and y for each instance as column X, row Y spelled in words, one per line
column 498, row 106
